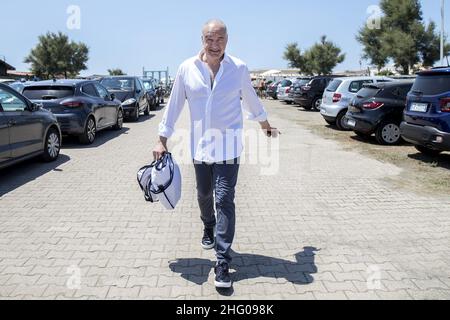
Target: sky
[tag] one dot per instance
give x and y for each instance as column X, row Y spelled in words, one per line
column 161, row 34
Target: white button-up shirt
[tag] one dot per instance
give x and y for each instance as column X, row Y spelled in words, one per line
column 216, row 109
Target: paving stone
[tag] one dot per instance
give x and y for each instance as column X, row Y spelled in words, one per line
column 320, row 227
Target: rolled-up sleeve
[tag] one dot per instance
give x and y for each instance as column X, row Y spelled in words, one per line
column 174, row 106
column 250, row 101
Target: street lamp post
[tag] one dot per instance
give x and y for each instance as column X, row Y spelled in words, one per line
column 442, row 32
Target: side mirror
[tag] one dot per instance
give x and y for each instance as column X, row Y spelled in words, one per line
column 113, row 97
column 138, row 91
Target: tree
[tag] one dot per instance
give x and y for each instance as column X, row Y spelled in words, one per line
column 116, row 72
column 323, row 57
column 55, row 56
column 402, row 37
column 430, row 47
column 78, row 58
column 295, row 58
column 373, row 51
column 319, row 59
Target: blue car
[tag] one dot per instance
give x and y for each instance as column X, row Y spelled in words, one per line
column 26, row 129
column 427, row 114
column 82, row 107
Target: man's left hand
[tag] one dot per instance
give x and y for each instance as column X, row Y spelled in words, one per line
column 269, row 131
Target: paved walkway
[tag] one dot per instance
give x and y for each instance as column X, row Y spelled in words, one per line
column 326, row 225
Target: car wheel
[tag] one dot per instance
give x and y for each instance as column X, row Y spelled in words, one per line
column 147, row 109
column 153, row 105
column 52, row 145
column 428, row 151
column 288, row 102
column 340, row 121
column 136, row 114
column 388, row 133
column 119, row 122
column 316, row 103
column 90, row 132
column 363, row 135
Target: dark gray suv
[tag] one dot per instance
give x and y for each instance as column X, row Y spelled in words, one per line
column 26, row 130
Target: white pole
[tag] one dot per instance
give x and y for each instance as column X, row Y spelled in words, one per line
column 442, row 32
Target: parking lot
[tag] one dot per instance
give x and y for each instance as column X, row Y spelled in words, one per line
column 332, row 223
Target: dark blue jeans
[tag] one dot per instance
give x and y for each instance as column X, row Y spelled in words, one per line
column 216, row 184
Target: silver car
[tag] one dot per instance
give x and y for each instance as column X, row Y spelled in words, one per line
column 283, row 90
column 339, row 94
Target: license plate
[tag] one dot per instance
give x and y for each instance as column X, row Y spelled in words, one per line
column 419, row 107
column 351, row 123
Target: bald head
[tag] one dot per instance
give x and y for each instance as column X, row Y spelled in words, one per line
column 214, row 25
column 215, row 40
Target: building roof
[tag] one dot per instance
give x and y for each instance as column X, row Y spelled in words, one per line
column 282, row 73
column 19, row 73
column 7, row 65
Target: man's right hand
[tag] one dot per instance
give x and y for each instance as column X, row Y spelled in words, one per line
column 160, row 149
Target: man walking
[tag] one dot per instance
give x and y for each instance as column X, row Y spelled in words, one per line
column 214, row 83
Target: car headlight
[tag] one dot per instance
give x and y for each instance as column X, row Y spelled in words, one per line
column 129, row 101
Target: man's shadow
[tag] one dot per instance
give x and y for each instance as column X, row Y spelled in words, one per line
column 249, row 266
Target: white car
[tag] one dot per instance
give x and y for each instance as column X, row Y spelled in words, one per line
column 7, row 81
column 283, row 90
column 338, row 95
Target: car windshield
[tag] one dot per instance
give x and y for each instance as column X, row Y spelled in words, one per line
column 17, row 86
column 10, row 102
column 312, row 82
column 148, row 85
column 47, row 92
column 369, row 91
column 334, row 85
column 301, row 82
column 118, row 84
column 6, row 97
column 431, row 84
column 286, row 83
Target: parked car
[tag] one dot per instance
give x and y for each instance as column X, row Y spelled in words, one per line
column 427, row 114
column 310, row 95
column 378, row 108
column 272, row 90
column 296, row 87
column 150, row 92
column 26, row 130
column 17, row 85
column 283, row 90
column 338, row 95
column 82, row 107
column 7, row 81
column 130, row 91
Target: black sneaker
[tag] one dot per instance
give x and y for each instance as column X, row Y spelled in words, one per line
column 223, row 279
column 209, row 240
